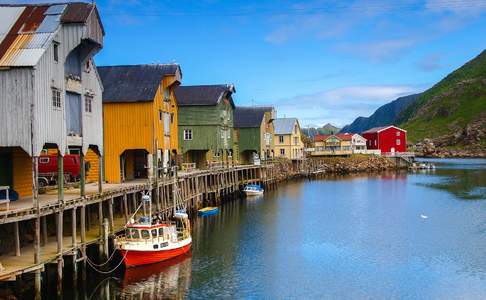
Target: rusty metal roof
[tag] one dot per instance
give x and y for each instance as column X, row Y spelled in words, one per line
column 26, row 31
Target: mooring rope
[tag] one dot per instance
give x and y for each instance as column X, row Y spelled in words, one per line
column 100, row 265
column 110, row 271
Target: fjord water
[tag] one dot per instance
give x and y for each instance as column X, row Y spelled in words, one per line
column 405, row 235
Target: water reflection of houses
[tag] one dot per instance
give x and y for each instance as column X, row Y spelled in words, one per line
column 166, row 280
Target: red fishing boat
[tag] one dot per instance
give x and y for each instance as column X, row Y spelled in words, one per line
column 145, row 243
column 151, row 240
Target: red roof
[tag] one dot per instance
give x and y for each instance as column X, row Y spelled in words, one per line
column 378, row 129
column 341, row 136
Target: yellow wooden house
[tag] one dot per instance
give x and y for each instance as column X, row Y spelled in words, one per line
column 288, row 139
column 140, row 120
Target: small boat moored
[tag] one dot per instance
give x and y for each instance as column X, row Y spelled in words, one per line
column 207, row 211
column 253, row 190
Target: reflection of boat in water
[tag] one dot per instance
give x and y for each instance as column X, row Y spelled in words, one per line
column 422, row 166
column 207, row 211
column 165, row 280
column 253, row 190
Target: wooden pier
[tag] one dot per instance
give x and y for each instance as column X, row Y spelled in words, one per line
column 61, row 228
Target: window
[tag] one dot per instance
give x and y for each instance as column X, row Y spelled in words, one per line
column 56, row 52
column 398, row 133
column 282, row 151
column 44, row 160
column 154, row 233
column 171, row 118
column 280, row 139
column 135, row 234
column 166, row 118
column 161, row 232
column 88, row 103
column 87, row 67
column 398, row 141
column 167, row 95
column 160, row 115
column 145, row 234
column 56, row 98
column 296, row 139
column 375, row 142
column 187, row 134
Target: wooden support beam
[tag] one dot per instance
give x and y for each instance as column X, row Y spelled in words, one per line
column 60, row 177
column 100, row 174
column 44, row 231
column 110, row 215
column 82, row 227
column 17, row 238
column 73, row 228
column 82, row 175
column 125, row 207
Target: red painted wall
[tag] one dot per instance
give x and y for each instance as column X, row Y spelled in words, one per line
column 387, row 139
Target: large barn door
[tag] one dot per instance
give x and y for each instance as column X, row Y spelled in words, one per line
column 73, row 114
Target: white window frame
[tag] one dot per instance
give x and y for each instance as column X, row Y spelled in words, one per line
column 398, row 133
column 187, row 135
column 88, row 103
column 282, row 151
column 56, row 98
column 398, row 142
column 281, row 139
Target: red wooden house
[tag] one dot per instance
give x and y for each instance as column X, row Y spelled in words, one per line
column 386, row 139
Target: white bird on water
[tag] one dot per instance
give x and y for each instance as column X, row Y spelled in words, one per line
column 424, row 216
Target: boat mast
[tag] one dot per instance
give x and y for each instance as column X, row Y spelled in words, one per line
column 174, row 192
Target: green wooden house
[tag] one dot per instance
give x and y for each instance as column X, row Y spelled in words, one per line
column 254, row 133
column 205, row 118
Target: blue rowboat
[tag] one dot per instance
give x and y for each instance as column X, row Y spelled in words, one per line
column 210, row 210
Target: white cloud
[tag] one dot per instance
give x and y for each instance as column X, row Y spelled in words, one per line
column 341, row 106
column 378, row 51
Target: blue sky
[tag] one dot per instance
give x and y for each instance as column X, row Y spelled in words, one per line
column 320, row 61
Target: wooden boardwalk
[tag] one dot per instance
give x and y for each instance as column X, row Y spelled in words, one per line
column 115, row 204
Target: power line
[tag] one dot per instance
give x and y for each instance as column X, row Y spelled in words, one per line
column 382, row 7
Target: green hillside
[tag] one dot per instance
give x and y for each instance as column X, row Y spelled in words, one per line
column 452, row 111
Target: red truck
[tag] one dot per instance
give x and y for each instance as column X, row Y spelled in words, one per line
column 48, row 169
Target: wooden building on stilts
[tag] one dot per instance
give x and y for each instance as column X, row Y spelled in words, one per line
column 50, row 98
column 140, row 120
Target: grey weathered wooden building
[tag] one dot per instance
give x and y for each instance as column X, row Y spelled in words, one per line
column 50, row 91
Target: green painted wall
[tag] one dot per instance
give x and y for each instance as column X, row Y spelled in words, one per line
column 249, row 139
column 207, row 124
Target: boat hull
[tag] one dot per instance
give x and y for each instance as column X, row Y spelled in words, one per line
column 253, row 193
column 208, row 212
column 136, row 258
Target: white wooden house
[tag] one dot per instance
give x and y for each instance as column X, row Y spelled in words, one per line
column 50, row 91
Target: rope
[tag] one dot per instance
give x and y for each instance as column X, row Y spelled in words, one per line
column 100, row 265
column 110, row 271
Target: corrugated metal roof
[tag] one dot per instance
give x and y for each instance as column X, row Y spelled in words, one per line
column 284, row 125
column 194, row 95
column 26, row 31
column 381, row 128
column 135, row 83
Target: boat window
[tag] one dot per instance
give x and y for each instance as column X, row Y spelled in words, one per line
column 145, row 234
column 156, row 246
column 161, row 231
column 128, row 234
column 135, row 234
column 154, row 233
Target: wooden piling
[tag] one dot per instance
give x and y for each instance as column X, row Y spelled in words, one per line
column 17, row 238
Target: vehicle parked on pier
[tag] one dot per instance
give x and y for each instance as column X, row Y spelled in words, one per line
column 48, row 169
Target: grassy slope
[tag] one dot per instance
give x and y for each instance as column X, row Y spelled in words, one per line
column 468, row 100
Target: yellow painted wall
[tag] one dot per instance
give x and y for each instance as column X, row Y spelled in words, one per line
column 292, row 150
column 92, row 158
column 126, row 126
column 22, row 172
column 137, row 126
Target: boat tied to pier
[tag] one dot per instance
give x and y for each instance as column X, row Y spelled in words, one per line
column 253, row 190
column 149, row 239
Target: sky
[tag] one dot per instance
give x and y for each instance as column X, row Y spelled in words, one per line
column 319, row 61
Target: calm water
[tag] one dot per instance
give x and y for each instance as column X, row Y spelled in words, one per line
column 395, row 236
